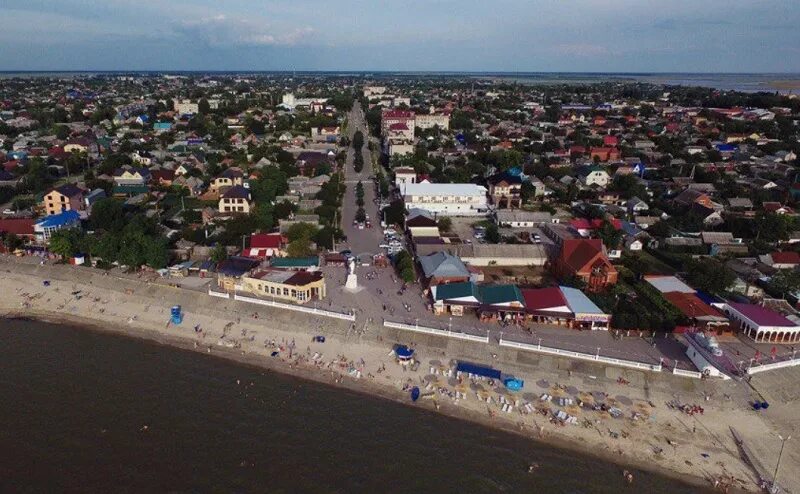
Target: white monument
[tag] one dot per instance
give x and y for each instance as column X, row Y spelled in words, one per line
column 352, row 280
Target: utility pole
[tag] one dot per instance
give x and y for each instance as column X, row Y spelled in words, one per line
column 774, row 487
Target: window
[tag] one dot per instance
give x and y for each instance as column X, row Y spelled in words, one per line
column 286, row 291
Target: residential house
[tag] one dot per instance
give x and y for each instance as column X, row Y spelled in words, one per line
column 230, row 177
column 594, row 176
column 404, row 175
column 266, row 245
column 67, row 197
column 505, row 190
column 781, row 260
column 636, row 206
column 235, row 200
column 129, row 175
column 586, row 259
column 522, row 219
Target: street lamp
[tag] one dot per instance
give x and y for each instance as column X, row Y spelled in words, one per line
column 774, row 487
column 598, row 353
column 450, row 324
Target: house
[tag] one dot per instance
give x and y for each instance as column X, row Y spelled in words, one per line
column 777, row 208
column 441, row 268
column 266, row 245
column 231, row 270
column 604, row 154
column 47, row 226
column 129, row 175
column 67, row 197
column 690, row 197
column 7, row 179
column 455, row 297
column 586, row 259
column 505, row 190
column 446, row 199
column 23, row 228
column 594, row 175
column 781, row 260
column 228, row 178
column 325, row 134
column 235, row 200
column 404, row 175
column 636, row 205
column 310, row 160
column 288, row 285
column 163, row 176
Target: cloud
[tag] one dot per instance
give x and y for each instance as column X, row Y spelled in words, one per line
column 220, row 31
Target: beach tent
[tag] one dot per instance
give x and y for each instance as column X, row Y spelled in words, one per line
column 403, row 352
column 513, row 383
column 478, row 370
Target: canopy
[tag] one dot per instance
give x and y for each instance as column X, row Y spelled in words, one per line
column 478, row 370
column 403, row 352
column 513, row 383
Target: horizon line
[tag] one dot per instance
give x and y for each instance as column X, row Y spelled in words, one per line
column 384, row 71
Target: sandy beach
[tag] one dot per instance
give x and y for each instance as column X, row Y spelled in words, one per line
column 649, row 435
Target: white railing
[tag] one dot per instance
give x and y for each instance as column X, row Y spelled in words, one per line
column 687, row 373
column 582, row 356
column 438, row 332
column 298, row 308
column 219, row 294
column 772, row 366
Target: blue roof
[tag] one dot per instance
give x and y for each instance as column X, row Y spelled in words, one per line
column 60, row 219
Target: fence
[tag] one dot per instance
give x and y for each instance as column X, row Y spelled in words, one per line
column 687, row 373
column 581, row 356
column 774, row 365
column 297, row 308
column 438, row 332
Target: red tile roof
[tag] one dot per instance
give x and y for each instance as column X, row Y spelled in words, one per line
column 691, row 305
column 17, row 226
column 578, row 253
column 785, row 257
column 265, row 241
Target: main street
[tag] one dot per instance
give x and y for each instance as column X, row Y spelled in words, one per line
column 362, row 242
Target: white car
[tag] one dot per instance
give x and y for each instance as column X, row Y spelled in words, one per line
column 8, row 211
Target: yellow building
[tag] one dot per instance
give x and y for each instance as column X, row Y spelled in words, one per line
column 291, row 286
column 235, row 200
column 67, row 197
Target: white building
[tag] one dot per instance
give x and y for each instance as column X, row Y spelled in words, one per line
column 446, row 199
column 404, row 175
column 429, row 121
column 185, row 107
column 400, row 148
column 374, row 91
column 289, row 101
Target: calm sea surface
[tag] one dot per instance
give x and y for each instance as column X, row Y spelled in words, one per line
column 82, row 411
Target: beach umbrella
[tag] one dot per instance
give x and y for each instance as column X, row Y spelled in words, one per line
column 542, row 383
column 572, row 390
column 556, row 391
column 624, row 400
column 476, row 386
column 599, row 396
column 452, row 381
column 530, row 396
column 435, row 363
column 573, row 409
column 430, row 378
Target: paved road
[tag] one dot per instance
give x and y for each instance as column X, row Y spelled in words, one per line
column 364, row 241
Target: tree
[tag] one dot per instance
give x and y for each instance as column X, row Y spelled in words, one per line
column 107, row 214
column 64, row 242
column 785, row 281
column 219, row 253
column 492, row 235
column 445, row 224
column 709, row 275
column 299, row 248
column 203, row 106
column 361, row 215
column 395, row 212
column 301, row 231
column 404, row 264
column 358, row 141
column 610, row 236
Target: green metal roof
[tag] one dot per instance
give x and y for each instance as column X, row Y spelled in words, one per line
column 457, row 290
column 499, row 294
column 295, row 262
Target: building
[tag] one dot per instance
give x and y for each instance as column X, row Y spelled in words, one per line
column 67, row 197
column 522, row 219
column 429, row 121
column 235, row 200
column 762, row 324
column 781, row 260
column 594, row 175
column 47, row 226
column 185, row 107
column 22, row 228
column 566, row 306
column 391, row 117
column 228, row 178
column 325, row 134
column 266, row 245
column 446, row 199
column 129, row 175
column 399, row 148
column 404, row 175
column 505, row 190
column 441, row 268
column 586, row 259
column 484, row 299
column 281, row 284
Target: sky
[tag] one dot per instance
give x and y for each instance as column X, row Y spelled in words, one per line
column 402, row 35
